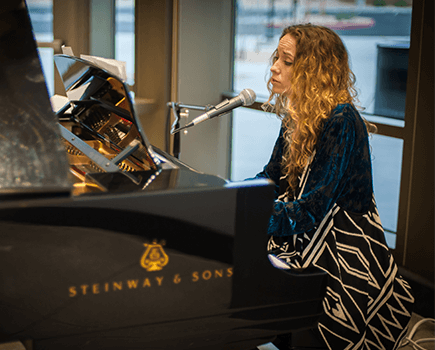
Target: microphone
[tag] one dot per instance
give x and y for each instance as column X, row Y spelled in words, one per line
column 245, row 98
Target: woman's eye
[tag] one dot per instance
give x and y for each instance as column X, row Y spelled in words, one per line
column 274, row 59
column 287, row 63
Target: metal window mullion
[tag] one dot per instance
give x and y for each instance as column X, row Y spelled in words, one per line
column 390, row 130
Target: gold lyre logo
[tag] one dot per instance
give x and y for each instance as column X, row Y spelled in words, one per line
column 154, row 258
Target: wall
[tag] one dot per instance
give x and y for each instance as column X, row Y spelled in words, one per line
column 153, row 57
column 204, row 72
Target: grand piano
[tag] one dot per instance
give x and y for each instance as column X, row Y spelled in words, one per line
column 107, row 242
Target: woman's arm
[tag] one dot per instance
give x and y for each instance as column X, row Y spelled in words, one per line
column 272, row 170
column 325, row 181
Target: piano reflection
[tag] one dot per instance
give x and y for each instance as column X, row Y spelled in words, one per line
column 108, row 242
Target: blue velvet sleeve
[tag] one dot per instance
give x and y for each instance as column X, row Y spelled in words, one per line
column 272, row 170
column 324, row 184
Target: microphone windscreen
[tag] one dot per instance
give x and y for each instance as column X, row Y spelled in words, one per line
column 248, row 97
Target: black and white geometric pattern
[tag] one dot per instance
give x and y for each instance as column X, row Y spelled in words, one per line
column 367, row 304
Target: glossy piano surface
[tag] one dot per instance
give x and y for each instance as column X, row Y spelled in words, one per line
column 111, row 243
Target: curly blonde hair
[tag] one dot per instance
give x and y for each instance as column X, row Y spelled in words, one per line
column 321, row 79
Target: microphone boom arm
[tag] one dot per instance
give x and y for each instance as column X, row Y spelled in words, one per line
column 176, row 108
column 245, row 98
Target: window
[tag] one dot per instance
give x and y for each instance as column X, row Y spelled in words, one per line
column 41, row 16
column 376, row 34
column 124, row 36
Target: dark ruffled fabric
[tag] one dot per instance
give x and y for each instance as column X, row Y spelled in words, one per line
column 340, row 173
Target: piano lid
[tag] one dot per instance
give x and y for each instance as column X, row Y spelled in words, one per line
column 88, row 85
column 32, row 157
column 107, row 148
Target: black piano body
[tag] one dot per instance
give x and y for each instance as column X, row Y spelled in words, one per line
column 107, row 242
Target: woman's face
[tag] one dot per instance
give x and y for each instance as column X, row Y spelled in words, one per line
column 282, row 68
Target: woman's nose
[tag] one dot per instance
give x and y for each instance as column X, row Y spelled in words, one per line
column 274, row 68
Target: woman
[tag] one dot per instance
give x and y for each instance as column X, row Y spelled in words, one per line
column 325, row 213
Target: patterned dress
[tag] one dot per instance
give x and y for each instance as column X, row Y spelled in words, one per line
column 332, row 222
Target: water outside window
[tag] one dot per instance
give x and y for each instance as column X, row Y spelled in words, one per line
column 376, row 34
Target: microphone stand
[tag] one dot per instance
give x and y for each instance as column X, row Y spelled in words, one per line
column 176, row 108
